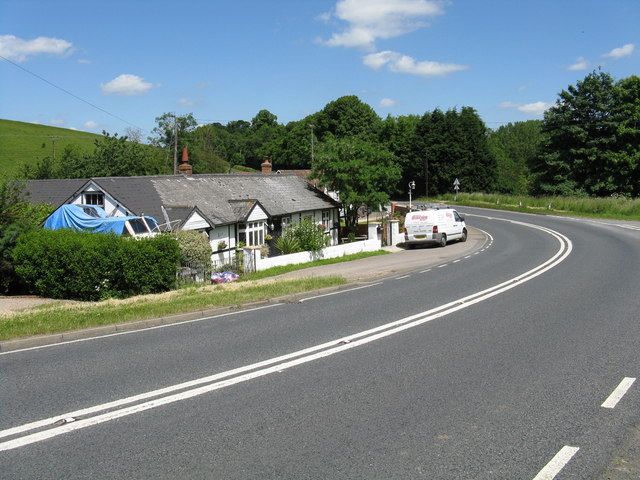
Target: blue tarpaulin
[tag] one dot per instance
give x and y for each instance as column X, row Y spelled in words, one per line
column 92, row 218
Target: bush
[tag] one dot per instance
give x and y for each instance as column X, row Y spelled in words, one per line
column 90, row 266
column 305, row 236
column 194, row 246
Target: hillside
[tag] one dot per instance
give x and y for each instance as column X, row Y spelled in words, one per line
column 27, row 143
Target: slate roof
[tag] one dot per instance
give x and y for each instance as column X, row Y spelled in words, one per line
column 214, row 195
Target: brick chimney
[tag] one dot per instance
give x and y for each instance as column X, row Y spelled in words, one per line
column 184, row 167
column 267, row 168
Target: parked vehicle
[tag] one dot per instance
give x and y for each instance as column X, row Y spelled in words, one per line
column 434, row 225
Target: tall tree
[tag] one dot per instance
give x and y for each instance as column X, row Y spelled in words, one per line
column 169, row 127
column 454, row 144
column 363, row 173
column 588, row 151
column 516, row 147
column 348, row 117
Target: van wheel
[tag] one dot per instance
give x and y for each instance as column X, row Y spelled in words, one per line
column 463, row 238
column 443, row 240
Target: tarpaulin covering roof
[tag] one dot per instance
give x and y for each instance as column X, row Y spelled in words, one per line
column 89, row 218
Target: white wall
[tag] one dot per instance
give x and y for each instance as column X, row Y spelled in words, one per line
column 304, row 257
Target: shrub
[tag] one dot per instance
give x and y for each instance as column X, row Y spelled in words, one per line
column 90, row 266
column 194, row 246
column 305, row 236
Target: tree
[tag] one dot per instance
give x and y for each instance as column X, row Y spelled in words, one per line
column 591, row 133
column 516, row 146
column 363, row 173
column 455, row 146
column 169, row 126
column 17, row 216
column 348, row 117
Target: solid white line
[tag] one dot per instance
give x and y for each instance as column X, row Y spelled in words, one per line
column 618, row 393
column 557, row 463
column 277, row 364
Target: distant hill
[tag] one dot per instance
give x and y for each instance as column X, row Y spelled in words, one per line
column 28, row 143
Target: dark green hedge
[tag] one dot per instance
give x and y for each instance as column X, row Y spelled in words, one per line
column 91, row 266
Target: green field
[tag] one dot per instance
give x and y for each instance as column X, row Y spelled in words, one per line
column 28, row 143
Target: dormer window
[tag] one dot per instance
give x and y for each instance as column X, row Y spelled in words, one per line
column 93, row 198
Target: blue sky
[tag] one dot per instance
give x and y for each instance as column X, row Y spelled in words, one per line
column 123, row 63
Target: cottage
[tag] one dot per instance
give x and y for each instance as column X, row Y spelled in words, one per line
column 228, row 208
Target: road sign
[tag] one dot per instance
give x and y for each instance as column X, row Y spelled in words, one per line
column 456, row 187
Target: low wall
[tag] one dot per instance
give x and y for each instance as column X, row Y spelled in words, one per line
column 254, row 262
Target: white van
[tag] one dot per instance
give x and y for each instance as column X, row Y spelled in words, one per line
column 434, row 226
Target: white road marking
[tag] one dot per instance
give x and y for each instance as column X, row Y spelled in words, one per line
column 618, row 393
column 204, row 385
column 425, row 271
column 400, row 278
column 443, row 265
column 456, row 261
column 557, row 463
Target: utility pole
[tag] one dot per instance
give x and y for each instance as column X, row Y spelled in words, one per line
column 311, row 126
column 53, row 145
column 175, row 144
column 426, row 174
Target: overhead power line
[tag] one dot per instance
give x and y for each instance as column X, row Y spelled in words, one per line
column 68, row 92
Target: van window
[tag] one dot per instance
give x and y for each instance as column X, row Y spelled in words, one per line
column 457, row 217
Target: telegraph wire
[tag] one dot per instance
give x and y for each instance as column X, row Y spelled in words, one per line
column 69, row 93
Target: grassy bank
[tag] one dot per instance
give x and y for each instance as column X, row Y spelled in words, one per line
column 619, row 208
column 65, row 316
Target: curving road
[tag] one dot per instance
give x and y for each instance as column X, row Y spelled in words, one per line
column 513, row 360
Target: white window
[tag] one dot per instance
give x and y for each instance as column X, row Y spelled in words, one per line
column 94, row 199
column 326, row 219
column 252, row 233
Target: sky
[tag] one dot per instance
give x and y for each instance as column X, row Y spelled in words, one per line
column 95, row 66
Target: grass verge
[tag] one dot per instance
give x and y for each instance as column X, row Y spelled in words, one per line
column 66, row 316
column 607, row 207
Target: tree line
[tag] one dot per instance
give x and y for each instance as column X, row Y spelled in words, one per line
column 587, row 144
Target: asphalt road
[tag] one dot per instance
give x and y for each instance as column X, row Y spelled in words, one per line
column 513, row 360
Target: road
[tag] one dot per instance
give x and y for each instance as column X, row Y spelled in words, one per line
column 514, row 361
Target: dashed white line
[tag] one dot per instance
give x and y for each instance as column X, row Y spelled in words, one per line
column 618, row 393
column 425, row 271
column 404, row 276
column 443, row 265
column 557, row 463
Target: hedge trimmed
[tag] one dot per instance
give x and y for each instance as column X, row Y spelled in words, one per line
column 93, row 266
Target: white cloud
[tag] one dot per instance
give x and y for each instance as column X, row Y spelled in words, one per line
column 19, row 50
column 126, row 85
column 534, row 109
column 58, row 122
column 369, row 20
column 388, row 102
column 91, row 124
column 185, row 102
column 620, row 52
column 85, row 61
column 581, row 63
column 398, row 63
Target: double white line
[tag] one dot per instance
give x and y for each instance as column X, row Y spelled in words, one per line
column 67, row 422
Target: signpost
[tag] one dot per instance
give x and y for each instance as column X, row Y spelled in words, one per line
column 412, row 186
column 456, row 187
